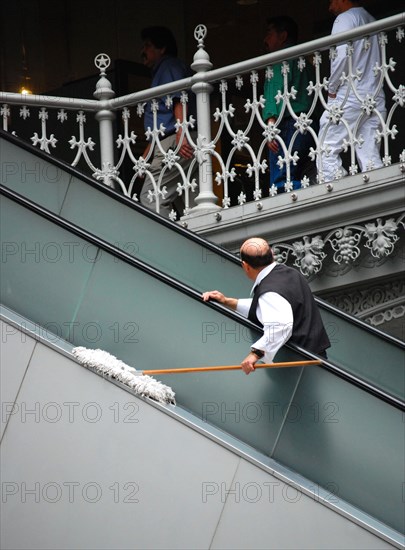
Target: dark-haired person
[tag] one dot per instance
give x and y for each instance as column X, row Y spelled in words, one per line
column 159, row 53
column 282, row 32
column 282, row 304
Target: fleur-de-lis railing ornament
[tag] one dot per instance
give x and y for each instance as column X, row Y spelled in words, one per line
column 62, row 116
column 24, row 112
column 81, row 144
column 43, row 141
column 5, row 114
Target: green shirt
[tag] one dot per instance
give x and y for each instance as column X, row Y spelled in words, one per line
column 299, row 79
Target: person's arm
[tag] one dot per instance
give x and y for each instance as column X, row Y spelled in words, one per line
column 242, row 307
column 338, row 65
column 273, row 144
column 272, row 109
column 275, row 314
column 186, row 151
column 146, row 151
column 219, row 297
column 271, row 88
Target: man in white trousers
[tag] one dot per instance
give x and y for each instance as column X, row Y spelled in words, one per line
column 359, row 101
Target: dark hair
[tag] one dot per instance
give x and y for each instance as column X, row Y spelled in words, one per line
column 161, row 37
column 258, row 260
column 283, row 23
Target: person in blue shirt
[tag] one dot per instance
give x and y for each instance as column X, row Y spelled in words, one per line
column 159, row 53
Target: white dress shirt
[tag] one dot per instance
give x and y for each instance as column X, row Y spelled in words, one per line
column 275, row 314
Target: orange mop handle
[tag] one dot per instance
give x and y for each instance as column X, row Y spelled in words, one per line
column 233, row 367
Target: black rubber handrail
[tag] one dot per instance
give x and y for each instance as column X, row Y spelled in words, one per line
column 358, row 322
column 185, row 289
column 182, row 230
column 63, row 165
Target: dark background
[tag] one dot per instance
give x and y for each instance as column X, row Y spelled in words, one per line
column 47, row 43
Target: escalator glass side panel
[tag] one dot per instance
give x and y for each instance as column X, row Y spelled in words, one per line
column 350, row 442
column 358, row 351
column 32, row 176
column 375, row 359
column 103, row 302
column 44, row 269
column 141, row 236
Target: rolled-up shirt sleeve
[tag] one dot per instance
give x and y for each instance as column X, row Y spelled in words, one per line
column 243, row 306
column 275, row 314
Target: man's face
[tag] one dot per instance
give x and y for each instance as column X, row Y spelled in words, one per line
column 150, row 54
column 337, row 6
column 274, row 40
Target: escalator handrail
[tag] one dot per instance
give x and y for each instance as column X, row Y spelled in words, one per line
column 63, row 165
column 185, row 289
column 226, row 254
column 359, row 322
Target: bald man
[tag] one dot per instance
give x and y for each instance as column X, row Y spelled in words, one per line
column 282, row 304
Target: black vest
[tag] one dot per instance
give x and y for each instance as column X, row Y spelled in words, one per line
column 308, row 331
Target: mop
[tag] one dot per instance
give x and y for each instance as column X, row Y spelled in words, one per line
column 107, row 365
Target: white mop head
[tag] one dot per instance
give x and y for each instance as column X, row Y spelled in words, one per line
column 106, row 364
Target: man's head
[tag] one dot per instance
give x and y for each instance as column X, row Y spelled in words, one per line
column 255, row 254
column 156, row 43
column 282, row 31
column 340, row 6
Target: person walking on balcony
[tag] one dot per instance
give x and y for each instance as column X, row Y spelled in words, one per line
column 356, row 101
column 282, row 32
column 282, row 304
column 159, row 53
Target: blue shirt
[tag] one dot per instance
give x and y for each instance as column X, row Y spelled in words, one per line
column 167, row 70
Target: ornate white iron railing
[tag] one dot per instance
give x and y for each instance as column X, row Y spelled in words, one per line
column 231, row 101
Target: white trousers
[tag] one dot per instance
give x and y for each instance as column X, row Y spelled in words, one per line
column 331, row 137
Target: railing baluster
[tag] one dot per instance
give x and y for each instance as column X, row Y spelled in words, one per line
column 105, row 118
column 206, row 199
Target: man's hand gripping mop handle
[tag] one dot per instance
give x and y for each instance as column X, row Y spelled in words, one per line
column 232, row 367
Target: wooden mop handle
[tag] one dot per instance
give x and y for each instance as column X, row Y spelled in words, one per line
column 233, row 367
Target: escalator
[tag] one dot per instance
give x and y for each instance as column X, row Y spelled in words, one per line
column 185, row 256
column 88, row 465
column 324, row 423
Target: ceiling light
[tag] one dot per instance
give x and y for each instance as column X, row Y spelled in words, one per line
column 25, row 91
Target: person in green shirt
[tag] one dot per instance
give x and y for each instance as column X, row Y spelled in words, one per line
column 282, row 32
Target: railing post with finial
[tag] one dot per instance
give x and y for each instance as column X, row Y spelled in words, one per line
column 105, row 118
column 206, row 199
